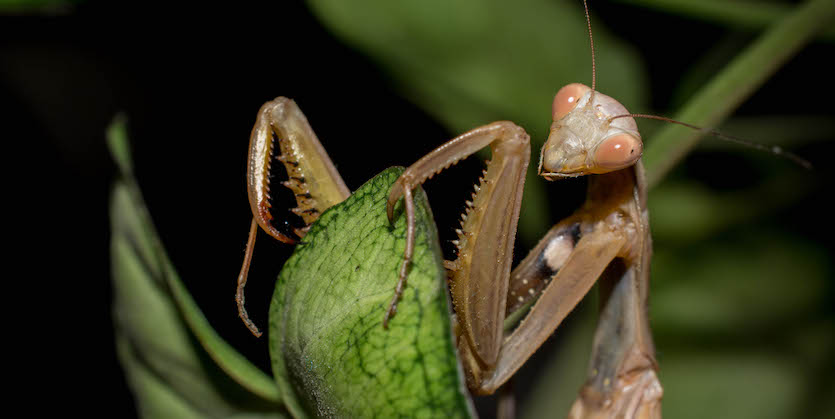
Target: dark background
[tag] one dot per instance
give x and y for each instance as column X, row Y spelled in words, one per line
column 190, row 79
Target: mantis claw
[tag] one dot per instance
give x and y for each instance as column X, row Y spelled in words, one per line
column 394, row 196
column 281, row 124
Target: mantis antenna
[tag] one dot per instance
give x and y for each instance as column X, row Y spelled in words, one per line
column 776, row 150
column 591, row 41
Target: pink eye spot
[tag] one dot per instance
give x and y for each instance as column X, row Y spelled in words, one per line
column 566, row 99
column 618, row 151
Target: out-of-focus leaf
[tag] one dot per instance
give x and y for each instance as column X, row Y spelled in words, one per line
column 556, row 386
column 761, row 381
column 154, row 396
column 166, row 366
column 730, row 385
column 468, row 63
column 331, row 355
column 36, row 6
column 741, row 288
column 160, row 329
column 471, row 62
column 685, row 211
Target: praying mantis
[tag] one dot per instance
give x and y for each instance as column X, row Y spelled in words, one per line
column 563, row 267
column 608, row 238
column 591, row 134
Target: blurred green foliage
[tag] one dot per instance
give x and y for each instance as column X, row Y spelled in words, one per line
column 36, row 6
column 175, row 363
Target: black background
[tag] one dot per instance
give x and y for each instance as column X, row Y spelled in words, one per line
column 190, row 79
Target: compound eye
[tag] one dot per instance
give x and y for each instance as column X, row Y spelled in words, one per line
column 618, row 151
column 566, row 99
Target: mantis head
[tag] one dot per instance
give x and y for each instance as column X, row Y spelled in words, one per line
column 585, row 137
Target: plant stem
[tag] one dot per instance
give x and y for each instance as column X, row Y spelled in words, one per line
column 740, row 78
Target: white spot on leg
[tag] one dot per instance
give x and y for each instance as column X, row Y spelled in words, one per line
column 557, row 252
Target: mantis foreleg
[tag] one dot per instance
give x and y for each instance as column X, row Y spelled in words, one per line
column 488, row 229
column 312, row 178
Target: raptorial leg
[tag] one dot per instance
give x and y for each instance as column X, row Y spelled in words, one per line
column 592, row 253
column 485, row 242
column 311, row 176
column 535, row 272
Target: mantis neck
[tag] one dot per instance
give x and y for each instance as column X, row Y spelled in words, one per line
column 618, row 188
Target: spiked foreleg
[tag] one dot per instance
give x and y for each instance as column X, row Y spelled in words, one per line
column 587, row 261
column 312, row 178
column 535, row 272
column 485, row 242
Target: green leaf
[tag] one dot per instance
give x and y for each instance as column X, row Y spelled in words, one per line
column 331, row 355
column 173, row 358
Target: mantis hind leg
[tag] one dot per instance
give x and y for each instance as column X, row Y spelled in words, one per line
column 312, row 178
